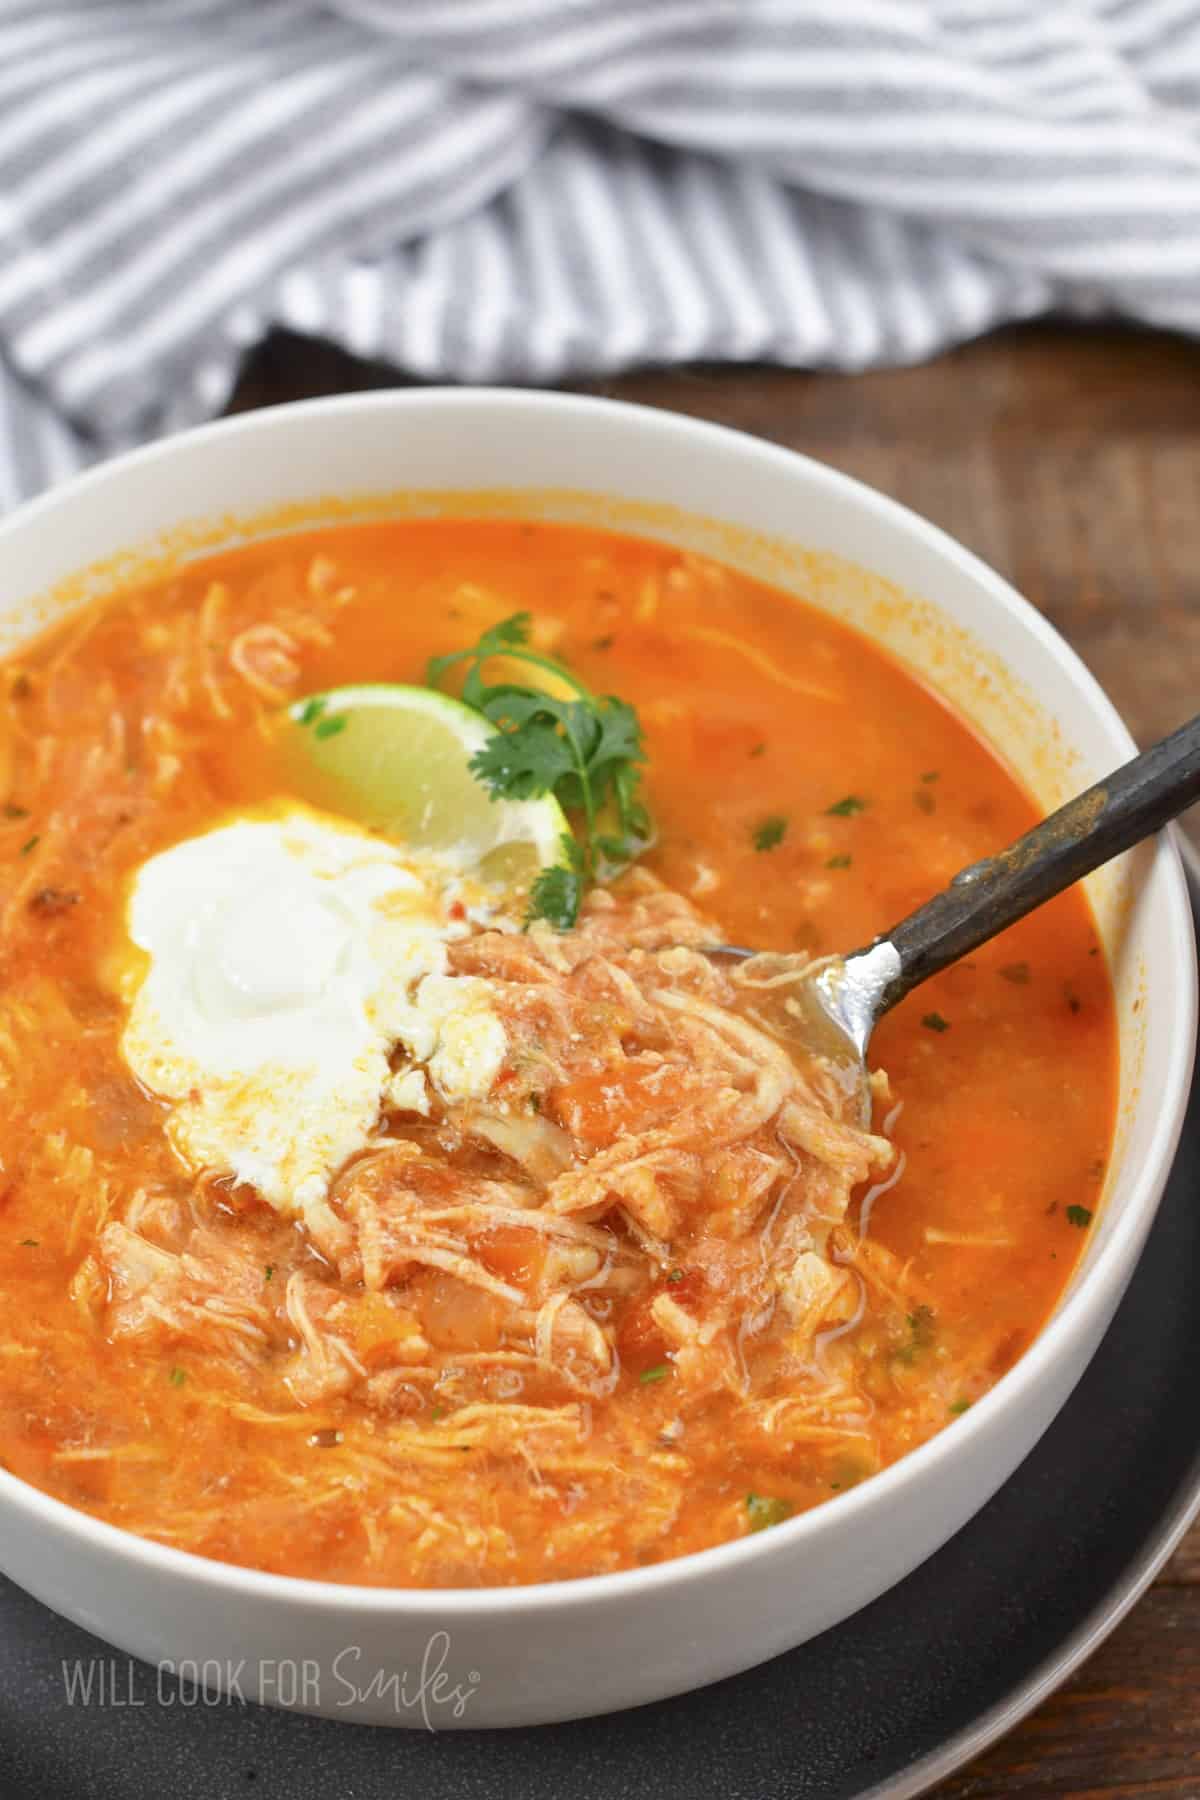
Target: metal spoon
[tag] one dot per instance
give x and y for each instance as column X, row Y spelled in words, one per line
column 831, row 1008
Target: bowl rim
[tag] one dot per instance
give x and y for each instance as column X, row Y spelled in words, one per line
column 1097, row 1284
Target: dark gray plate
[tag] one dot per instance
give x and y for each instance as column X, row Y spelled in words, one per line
column 1000, row 1616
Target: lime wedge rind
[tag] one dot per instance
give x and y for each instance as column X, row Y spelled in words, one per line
column 396, row 758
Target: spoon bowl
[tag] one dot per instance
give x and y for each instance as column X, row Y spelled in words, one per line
column 821, row 1011
column 826, row 1010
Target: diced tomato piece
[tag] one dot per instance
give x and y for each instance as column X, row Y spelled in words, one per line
column 640, row 1343
column 511, row 1252
column 598, row 1109
column 379, row 1329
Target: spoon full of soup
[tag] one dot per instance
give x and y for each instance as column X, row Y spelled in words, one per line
column 828, row 1009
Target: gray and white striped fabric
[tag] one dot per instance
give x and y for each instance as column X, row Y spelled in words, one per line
column 500, row 190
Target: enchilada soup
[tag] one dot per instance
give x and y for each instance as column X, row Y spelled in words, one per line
column 354, row 1224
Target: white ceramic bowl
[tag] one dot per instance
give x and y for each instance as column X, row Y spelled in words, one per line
column 556, row 1651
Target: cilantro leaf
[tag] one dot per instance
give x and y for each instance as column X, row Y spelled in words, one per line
column 586, row 750
column 1080, row 1216
column 557, row 892
column 620, row 739
column 770, row 834
column 845, row 809
column 525, row 764
column 922, row 1330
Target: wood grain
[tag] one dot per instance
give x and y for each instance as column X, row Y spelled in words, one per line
column 1070, row 461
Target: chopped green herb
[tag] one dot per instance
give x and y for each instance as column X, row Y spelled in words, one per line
column 439, row 1412
column 327, row 728
column 177, row 1377
column 15, row 812
column 602, row 643
column 586, row 751
column 846, row 809
column 556, row 894
column 770, row 834
column 535, row 1103
column 921, row 1324
column 958, row 1407
column 268, row 1271
column 1017, row 973
column 765, row 1510
column 759, row 750
column 839, row 862
column 931, row 775
column 29, row 844
column 659, row 1372
column 312, row 709
column 30, row 1243
column 675, row 1275
column 1080, row 1216
column 933, row 1021
column 924, row 801
column 922, row 1328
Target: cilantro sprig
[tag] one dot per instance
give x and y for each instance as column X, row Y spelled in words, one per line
column 557, row 893
column 587, row 751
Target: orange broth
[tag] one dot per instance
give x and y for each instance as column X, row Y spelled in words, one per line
column 758, row 711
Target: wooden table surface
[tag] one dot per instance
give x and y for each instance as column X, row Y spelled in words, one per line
column 1070, row 461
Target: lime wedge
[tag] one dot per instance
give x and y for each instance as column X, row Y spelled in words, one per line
column 396, row 760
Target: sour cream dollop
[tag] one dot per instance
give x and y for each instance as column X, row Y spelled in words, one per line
column 288, row 958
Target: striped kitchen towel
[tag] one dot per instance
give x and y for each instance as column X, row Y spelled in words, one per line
column 521, row 190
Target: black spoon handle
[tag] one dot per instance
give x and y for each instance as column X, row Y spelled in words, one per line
column 1128, row 805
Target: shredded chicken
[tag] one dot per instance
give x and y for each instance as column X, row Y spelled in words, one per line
column 647, row 1193
column 268, row 659
column 564, row 1326
column 209, row 1292
column 642, row 1127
